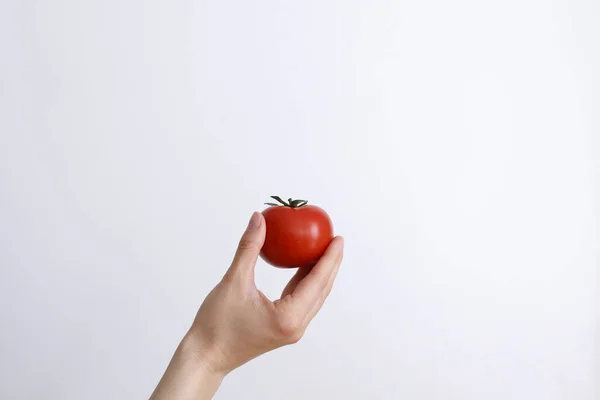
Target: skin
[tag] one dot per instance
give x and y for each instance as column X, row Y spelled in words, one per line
column 237, row 322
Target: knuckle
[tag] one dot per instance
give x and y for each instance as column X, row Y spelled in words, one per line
column 327, row 292
column 329, row 287
column 246, row 244
column 323, row 283
column 295, row 338
column 290, row 328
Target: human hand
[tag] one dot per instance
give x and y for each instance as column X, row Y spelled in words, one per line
column 237, row 322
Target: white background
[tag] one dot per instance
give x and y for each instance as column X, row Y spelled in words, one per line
column 451, row 143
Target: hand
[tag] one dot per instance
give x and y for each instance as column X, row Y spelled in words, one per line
column 237, row 322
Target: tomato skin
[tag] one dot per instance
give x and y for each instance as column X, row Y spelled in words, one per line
column 296, row 237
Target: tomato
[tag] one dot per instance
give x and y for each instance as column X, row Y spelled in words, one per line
column 297, row 234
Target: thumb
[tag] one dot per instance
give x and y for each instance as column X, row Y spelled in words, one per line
column 249, row 247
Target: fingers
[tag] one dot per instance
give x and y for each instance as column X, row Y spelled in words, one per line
column 298, row 276
column 249, row 248
column 311, row 291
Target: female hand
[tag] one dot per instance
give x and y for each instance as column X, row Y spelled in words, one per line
column 237, row 322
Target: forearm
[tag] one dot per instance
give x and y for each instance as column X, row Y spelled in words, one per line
column 187, row 377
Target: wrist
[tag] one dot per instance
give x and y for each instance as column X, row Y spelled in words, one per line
column 189, row 375
column 201, row 356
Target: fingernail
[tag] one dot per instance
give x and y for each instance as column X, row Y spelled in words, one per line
column 254, row 221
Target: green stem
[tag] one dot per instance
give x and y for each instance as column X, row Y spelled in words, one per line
column 280, row 200
column 291, row 203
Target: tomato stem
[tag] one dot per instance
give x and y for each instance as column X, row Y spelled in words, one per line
column 291, row 203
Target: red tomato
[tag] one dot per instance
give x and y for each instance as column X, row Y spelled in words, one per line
column 297, row 234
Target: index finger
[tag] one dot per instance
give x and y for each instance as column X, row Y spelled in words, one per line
column 315, row 287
